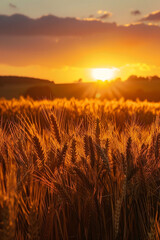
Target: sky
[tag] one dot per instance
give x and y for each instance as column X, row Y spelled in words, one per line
column 66, row 40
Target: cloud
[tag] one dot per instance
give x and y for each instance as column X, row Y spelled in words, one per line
column 100, row 11
column 20, row 25
column 105, row 16
column 136, row 12
column 152, row 17
column 50, row 25
column 57, row 42
column 11, row 5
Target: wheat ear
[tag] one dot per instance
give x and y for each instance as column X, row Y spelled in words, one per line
column 55, row 128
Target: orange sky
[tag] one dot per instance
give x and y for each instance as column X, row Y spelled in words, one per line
column 66, row 49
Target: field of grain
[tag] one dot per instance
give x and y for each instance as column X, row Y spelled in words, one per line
column 81, row 170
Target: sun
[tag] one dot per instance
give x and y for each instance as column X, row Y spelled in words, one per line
column 103, row 74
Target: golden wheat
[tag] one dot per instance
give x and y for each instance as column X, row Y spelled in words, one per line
column 74, row 170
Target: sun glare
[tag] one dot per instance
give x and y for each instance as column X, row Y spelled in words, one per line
column 104, row 73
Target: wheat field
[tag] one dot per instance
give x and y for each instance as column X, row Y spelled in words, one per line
column 82, row 170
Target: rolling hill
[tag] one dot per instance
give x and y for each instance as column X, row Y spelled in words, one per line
column 134, row 87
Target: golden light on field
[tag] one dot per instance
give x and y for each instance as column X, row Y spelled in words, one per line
column 104, row 73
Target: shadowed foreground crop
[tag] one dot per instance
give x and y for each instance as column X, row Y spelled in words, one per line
column 79, row 170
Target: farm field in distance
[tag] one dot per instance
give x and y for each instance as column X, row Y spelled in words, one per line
column 133, row 88
column 79, row 169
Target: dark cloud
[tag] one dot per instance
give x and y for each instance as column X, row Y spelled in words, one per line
column 136, row 12
column 50, row 25
column 105, row 16
column 11, row 5
column 20, row 25
column 153, row 17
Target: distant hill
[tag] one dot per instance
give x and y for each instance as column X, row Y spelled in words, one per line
column 21, row 80
column 133, row 88
column 14, row 87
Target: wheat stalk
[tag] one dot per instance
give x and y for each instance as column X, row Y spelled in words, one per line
column 73, row 151
column 39, row 151
column 86, row 145
column 92, row 153
column 97, row 132
column 55, row 128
